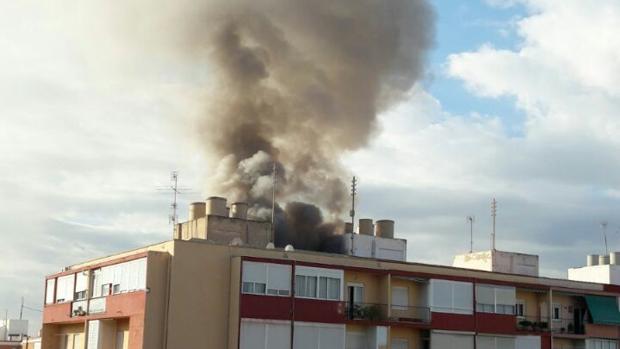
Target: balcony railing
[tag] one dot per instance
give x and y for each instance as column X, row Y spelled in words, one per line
column 366, row 311
column 567, row 326
column 379, row 312
column 87, row 307
column 410, row 314
column 533, row 323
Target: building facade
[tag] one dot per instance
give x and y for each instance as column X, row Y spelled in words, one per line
column 197, row 293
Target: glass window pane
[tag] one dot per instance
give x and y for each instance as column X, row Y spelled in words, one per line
column 248, row 287
column 323, row 287
column 311, row 286
column 259, row 288
column 300, row 286
column 334, row 289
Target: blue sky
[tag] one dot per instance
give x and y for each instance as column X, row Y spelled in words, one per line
column 465, row 25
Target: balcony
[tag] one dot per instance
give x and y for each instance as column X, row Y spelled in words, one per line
column 533, row 324
column 567, row 326
column 413, row 314
column 366, row 311
column 88, row 307
column 374, row 312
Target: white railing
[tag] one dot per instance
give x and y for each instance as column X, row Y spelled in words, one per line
column 79, row 308
column 96, row 305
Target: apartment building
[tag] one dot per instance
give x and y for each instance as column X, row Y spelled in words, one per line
column 193, row 292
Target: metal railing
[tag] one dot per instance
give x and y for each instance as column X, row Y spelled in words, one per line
column 410, row 314
column 365, row 311
column 533, row 323
column 88, row 306
column 79, row 308
column 379, row 312
column 567, row 326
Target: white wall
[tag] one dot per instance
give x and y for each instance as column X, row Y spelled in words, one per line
column 370, row 246
column 499, row 261
column 603, row 274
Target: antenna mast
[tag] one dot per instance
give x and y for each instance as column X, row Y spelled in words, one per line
column 494, row 215
column 174, row 186
column 353, row 193
column 604, row 228
column 273, row 202
column 470, row 220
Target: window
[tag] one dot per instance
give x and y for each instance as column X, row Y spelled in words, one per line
column 266, row 279
column 129, row 276
column 495, row 342
column 495, row 299
column 400, row 298
column 263, row 334
column 445, row 340
column 81, row 285
column 305, row 286
column 64, row 288
column 520, row 308
column 356, row 293
column 557, row 312
column 50, row 287
column 601, row 344
column 318, row 283
column 310, row 335
column 105, row 290
column 451, row 296
column 116, row 288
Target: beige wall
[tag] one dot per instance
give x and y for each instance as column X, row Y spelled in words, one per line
column 199, row 295
column 233, row 308
column 224, row 229
column 373, row 288
column 411, row 335
column 533, row 302
column 156, row 300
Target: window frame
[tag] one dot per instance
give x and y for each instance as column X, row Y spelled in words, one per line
column 264, row 284
column 520, row 303
column 558, row 307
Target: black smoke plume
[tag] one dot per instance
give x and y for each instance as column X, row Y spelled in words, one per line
column 300, row 83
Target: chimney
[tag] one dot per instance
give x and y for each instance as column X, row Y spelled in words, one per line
column 216, row 206
column 365, row 226
column 384, row 229
column 197, row 210
column 239, row 210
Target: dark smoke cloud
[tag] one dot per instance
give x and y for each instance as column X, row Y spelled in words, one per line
column 300, row 83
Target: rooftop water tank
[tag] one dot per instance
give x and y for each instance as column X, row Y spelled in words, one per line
column 216, row 206
column 384, row 229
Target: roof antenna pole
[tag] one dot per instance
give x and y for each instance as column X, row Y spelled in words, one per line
column 604, row 228
column 470, row 220
column 174, row 185
column 494, row 215
column 273, row 202
column 353, row 193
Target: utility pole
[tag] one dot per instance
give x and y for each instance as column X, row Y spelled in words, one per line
column 21, row 309
column 494, row 215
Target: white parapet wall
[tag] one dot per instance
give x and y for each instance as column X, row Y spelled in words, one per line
column 370, row 246
column 602, row 274
column 499, row 261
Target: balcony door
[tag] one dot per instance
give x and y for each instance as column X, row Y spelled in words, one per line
column 356, row 294
column 400, row 298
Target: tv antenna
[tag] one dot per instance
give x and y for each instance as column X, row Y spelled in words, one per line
column 173, row 217
column 353, row 193
column 494, row 216
column 470, row 221
column 273, row 201
column 604, row 230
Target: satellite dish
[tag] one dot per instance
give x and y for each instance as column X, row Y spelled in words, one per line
column 289, row 248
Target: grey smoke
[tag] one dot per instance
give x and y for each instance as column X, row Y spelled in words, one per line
column 300, row 83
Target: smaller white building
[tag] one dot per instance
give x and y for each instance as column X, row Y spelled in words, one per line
column 600, row 269
column 375, row 241
column 499, row 262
